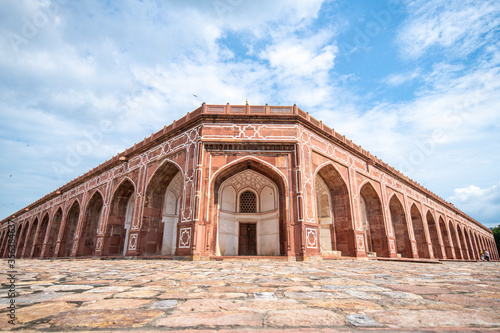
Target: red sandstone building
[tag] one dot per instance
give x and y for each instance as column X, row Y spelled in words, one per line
column 244, row 181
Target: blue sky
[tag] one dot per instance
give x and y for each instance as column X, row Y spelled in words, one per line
column 414, row 82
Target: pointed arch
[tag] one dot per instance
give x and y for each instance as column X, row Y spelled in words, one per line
column 463, row 245
column 30, row 239
column 400, row 227
column 276, row 233
column 120, row 219
column 456, row 242
column 418, row 231
column 53, row 231
column 69, row 229
column 446, row 238
column 91, row 219
column 477, row 240
column 335, row 203
column 434, row 235
column 373, row 221
column 153, row 226
column 40, row 236
column 21, row 237
column 467, row 244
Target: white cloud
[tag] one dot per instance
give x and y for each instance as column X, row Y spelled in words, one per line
column 398, row 79
column 458, row 26
column 482, row 203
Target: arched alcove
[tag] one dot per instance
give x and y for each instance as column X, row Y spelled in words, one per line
column 434, row 235
column 240, row 233
column 246, row 224
column 53, row 231
column 20, row 238
column 40, row 236
column 30, row 239
column 446, row 238
column 88, row 235
column 456, row 242
column 418, row 231
column 68, row 234
column 119, row 220
column 157, row 234
column 334, row 212
column 170, row 215
column 400, row 227
column 462, row 241
column 373, row 221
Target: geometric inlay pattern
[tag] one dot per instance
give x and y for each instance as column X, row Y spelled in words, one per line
column 311, row 238
column 185, row 238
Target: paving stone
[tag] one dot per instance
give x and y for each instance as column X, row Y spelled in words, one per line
column 362, row 294
column 357, row 287
column 84, row 297
column 419, row 289
column 262, row 305
column 465, row 300
column 211, row 319
column 309, row 295
column 138, row 293
column 264, row 295
column 115, row 304
column 434, row 318
column 362, row 321
column 313, row 317
column 345, row 304
column 34, row 298
column 209, row 305
column 39, row 311
column 71, row 287
column 168, row 304
column 110, row 289
column 104, row 319
column 399, row 294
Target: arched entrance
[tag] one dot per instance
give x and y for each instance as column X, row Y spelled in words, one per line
column 373, row 221
column 249, row 198
column 334, row 212
column 400, row 227
column 119, row 220
column 446, row 239
column 68, row 235
column 161, row 211
column 88, row 235
column 418, row 230
column 248, row 216
column 433, row 234
column 53, row 233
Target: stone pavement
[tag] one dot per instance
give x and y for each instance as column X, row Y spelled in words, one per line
column 268, row 296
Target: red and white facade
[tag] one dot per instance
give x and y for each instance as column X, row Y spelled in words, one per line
column 244, row 181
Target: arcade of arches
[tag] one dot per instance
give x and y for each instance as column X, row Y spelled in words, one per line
column 270, row 188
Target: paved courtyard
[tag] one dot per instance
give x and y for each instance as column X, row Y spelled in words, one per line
column 315, row 296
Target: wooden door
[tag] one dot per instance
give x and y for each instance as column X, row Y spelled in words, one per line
column 247, row 243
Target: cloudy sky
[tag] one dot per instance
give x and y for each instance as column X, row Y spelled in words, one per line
column 416, row 83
